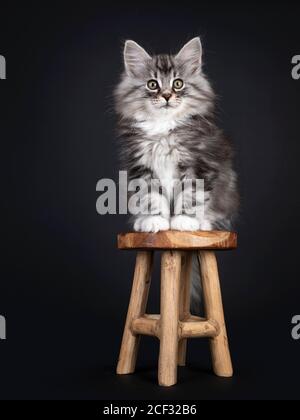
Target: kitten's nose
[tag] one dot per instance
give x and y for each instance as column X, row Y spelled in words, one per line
column 167, row 95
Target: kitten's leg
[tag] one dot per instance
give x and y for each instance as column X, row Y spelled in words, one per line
column 188, row 207
column 155, row 213
column 206, row 225
column 210, row 218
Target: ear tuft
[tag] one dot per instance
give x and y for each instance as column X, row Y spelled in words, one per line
column 135, row 58
column 191, row 54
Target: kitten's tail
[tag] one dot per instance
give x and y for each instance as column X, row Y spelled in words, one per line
column 196, row 288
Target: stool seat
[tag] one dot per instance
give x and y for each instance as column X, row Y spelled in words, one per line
column 173, row 239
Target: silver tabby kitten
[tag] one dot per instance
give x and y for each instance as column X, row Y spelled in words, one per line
column 166, row 109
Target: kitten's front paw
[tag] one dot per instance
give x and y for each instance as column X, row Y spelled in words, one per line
column 183, row 222
column 206, row 225
column 151, row 224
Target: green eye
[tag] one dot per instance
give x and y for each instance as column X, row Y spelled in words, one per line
column 178, row 84
column 152, row 85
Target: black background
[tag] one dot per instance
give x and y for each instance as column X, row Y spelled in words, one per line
column 64, row 286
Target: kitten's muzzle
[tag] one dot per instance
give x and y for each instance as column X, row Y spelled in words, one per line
column 167, row 96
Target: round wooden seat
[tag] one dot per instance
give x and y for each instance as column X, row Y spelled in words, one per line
column 173, row 239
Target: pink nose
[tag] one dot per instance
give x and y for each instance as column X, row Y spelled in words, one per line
column 167, row 95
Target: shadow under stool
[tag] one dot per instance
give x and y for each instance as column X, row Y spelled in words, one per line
column 175, row 324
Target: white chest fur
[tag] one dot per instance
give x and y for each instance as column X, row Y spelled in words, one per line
column 160, row 150
column 165, row 158
column 158, row 127
column 161, row 155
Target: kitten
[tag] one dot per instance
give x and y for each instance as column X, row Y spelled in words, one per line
column 166, row 123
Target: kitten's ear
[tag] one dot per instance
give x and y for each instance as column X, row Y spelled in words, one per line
column 135, row 58
column 191, row 54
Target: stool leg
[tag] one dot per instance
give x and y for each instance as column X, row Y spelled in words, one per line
column 214, row 310
column 184, row 301
column 169, row 317
column 136, row 309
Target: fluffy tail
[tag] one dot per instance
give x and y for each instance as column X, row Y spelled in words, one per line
column 196, row 289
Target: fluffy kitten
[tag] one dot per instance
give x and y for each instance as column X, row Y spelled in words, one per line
column 166, row 109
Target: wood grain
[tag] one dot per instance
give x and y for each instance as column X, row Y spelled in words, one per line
column 191, row 327
column 184, row 301
column 136, row 309
column 197, row 329
column 170, row 288
column 173, row 239
column 147, row 325
column 214, row 311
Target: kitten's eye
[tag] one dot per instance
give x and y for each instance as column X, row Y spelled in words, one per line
column 152, row 85
column 178, row 84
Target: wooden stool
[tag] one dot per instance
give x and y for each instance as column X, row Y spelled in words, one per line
column 175, row 323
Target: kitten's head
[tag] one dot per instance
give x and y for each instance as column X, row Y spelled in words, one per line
column 163, row 85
